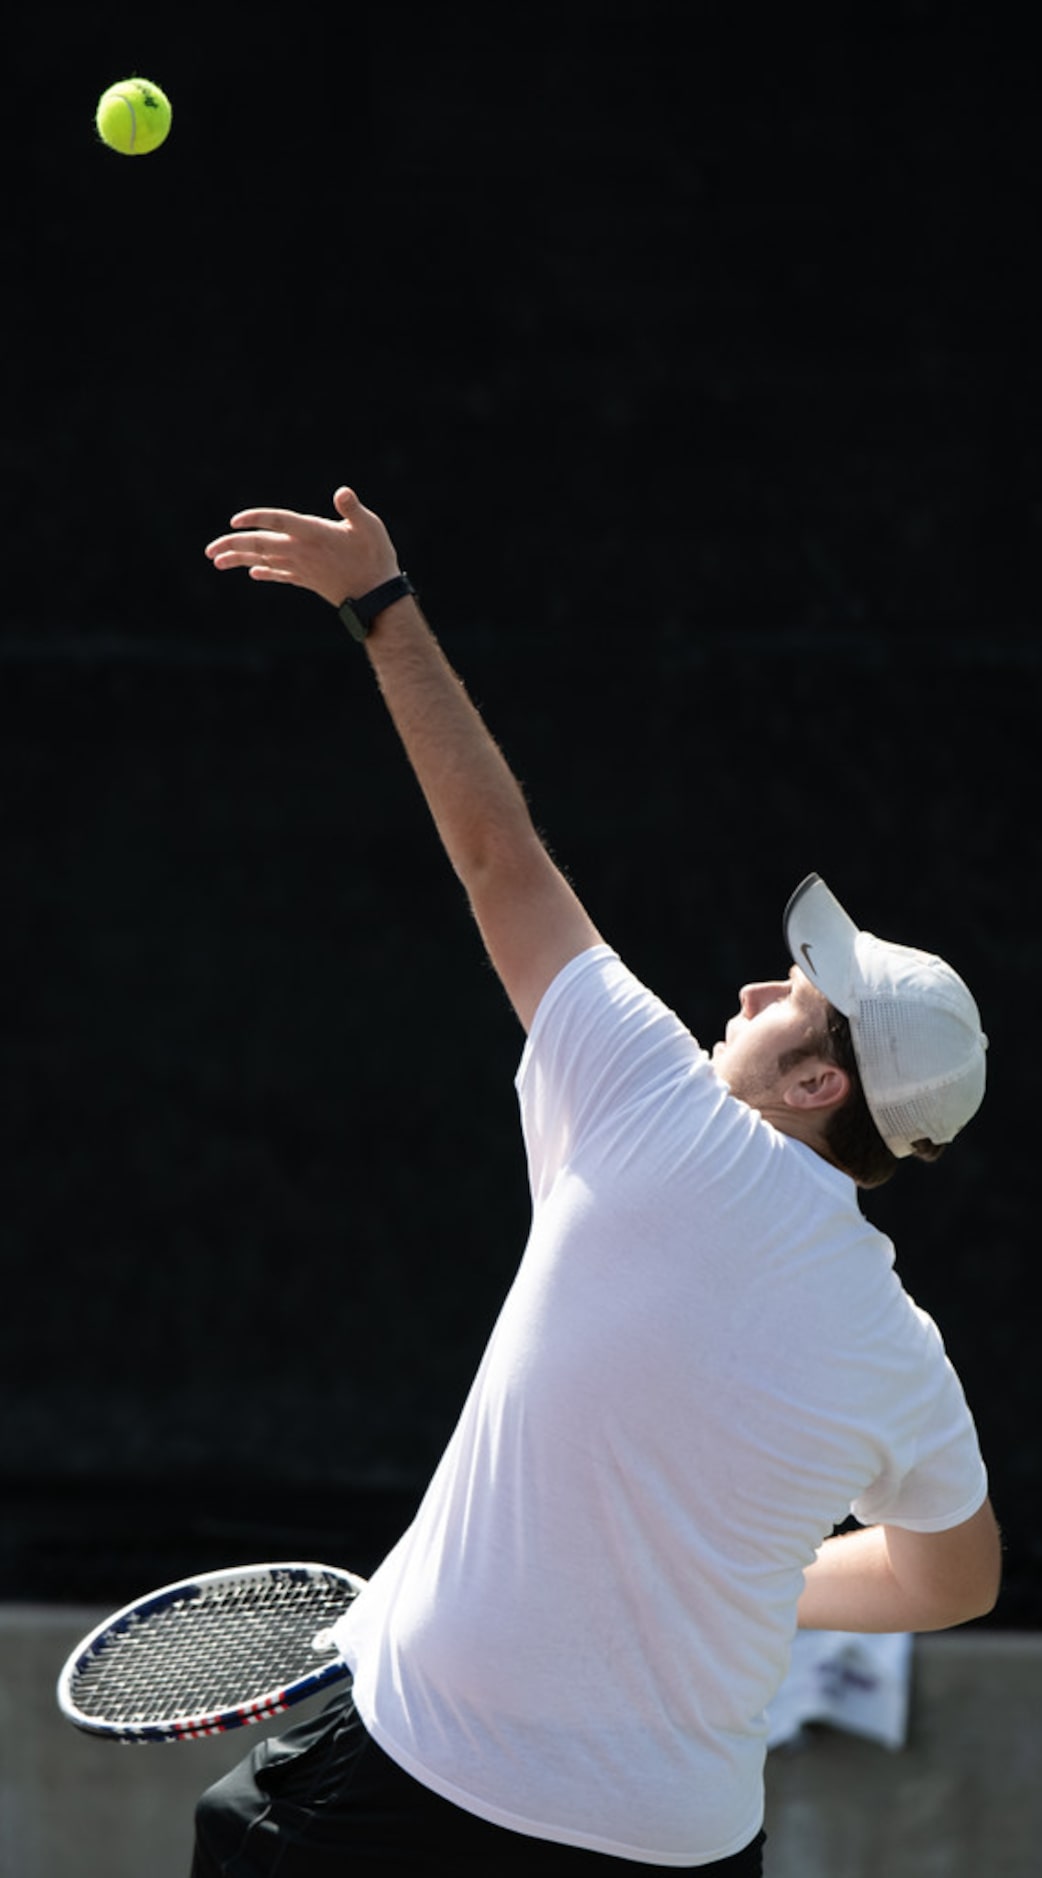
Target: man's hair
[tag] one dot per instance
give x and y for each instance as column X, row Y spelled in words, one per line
column 849, row 1133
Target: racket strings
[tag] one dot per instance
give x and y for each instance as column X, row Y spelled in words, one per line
column 217, row 1646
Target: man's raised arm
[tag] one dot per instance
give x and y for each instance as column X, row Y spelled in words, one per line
column 529, row 918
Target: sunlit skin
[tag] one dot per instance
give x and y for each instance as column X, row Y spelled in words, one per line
column 776, row 1016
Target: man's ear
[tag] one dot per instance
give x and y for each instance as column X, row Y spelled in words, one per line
column 815, row 1084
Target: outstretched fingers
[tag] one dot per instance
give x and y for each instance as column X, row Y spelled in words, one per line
column 262, row 544
column 266, row 533
column 281, row 521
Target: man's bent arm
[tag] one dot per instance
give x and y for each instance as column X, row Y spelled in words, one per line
column 886, row 1578
column 530, row 920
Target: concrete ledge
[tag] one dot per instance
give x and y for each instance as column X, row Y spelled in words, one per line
column 962, row 1799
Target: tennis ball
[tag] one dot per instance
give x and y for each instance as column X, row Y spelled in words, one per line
column 133, row 117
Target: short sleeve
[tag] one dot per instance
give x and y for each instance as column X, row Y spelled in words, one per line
column 940, row 1479
column 602, row 1048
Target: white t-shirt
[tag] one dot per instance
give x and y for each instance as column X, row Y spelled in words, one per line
column 706, row 1360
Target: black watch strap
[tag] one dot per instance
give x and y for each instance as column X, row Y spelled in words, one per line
column 358, row 615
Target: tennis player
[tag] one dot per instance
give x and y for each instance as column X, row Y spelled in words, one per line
column 705, row 1363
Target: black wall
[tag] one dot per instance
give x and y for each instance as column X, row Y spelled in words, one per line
column 696, row 373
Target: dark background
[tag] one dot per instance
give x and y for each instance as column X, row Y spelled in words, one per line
column 694, row 368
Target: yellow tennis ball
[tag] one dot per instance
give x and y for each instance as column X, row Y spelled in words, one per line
column 133, row 117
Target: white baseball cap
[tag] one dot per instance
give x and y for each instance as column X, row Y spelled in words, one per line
column 915, row 1028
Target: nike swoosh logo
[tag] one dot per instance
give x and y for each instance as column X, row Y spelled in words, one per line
column 806, row 950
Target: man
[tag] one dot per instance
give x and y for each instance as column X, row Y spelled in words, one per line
column 705, row 1362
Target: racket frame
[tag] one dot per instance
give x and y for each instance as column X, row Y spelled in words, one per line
column 197, row 1726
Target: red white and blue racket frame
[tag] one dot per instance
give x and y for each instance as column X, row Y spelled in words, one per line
column 324, row 1593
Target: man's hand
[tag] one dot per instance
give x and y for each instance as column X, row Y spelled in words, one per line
column 337, row 560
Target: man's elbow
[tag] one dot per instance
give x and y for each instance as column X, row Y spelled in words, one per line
column 989, row 1566
column 987, row 1591
column 975, row 1602
column 952, row 1577
column 934, row 1609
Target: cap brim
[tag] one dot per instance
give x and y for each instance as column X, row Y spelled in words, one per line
column 821, row 937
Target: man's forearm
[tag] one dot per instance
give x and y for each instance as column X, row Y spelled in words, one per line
column 529, row 918
column 476, row 802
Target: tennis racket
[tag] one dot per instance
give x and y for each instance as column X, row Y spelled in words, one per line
column 214, row 1652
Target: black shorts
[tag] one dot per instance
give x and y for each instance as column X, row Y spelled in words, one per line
column 324, row 1801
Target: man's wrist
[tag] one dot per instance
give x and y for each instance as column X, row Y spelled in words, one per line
column 359, row 614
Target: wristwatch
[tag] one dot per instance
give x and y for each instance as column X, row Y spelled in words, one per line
column 358, row 615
